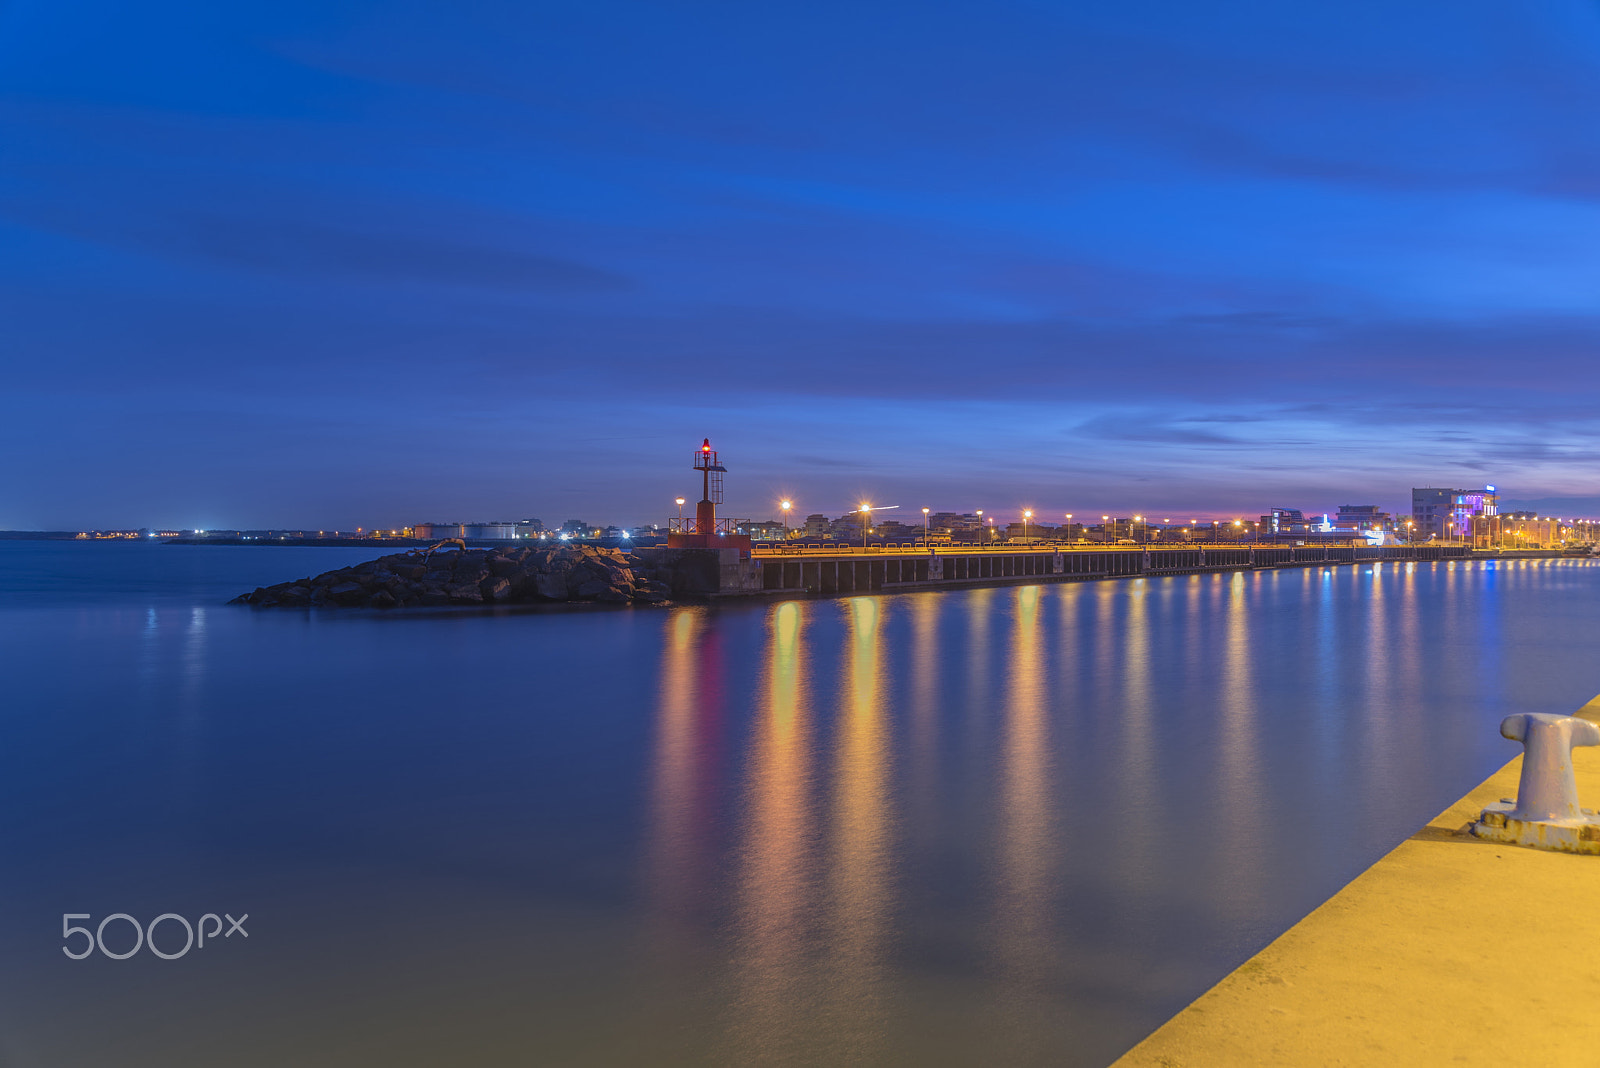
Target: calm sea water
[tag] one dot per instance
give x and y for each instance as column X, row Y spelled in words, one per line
column 1009, row 826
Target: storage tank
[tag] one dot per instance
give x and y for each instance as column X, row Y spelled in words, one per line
column 489, row 531
column 436, row 531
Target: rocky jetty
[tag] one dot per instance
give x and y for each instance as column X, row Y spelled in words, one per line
column 473, row 576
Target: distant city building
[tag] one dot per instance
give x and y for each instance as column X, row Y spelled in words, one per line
column 816, row 525
column 1362, row 519
column 1028, row 530
column 767, row 531
column 576, row 527
column 1430, row 510
column 1284, row 521
column 1449, row 513
column 954, row 522
column 1469, row 506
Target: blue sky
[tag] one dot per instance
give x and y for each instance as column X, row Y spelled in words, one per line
column 368, row 264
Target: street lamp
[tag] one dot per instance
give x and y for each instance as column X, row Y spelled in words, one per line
column 1069, row 526
column 1138, row 519
column 680, row 513
column 784, row 506
column 866, row 520
column 980, row 525
column 1027, row 514
column 927, row 535
column 1103, row 528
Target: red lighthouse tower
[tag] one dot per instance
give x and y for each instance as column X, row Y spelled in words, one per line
column 705, row 530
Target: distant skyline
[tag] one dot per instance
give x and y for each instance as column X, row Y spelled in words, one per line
column 363, row 264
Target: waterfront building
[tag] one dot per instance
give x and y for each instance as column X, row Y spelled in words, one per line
column 1430, row 511
column 1449, row 513
column 1284, row 521
column 769, row 530
column 1362, row 519
column 816, row 525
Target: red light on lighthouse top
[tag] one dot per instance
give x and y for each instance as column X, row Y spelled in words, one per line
column 706, row 445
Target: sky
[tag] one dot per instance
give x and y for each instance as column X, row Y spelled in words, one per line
column 366, row 264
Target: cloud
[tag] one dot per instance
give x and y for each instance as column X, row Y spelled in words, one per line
column 296, row 247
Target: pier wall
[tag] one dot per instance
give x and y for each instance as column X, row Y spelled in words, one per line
column 843, row 570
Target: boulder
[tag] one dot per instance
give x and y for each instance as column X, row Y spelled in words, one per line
column 591, row 590
column 348, row 593
column 552, row 586
column 495, row 589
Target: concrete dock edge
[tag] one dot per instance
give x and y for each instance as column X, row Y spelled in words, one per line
column 1448, row 950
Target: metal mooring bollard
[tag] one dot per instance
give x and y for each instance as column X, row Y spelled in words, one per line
column 1546, row 814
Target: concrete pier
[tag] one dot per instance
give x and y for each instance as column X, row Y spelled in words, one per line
column 1449, row 950
column 845, row 569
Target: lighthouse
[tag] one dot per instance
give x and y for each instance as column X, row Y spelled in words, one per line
column 704, row 531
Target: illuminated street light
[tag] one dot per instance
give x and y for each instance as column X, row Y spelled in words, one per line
column 680, row 512
column 1027, row 514
column 927, row 537
column 785, row 506
column 866, row 521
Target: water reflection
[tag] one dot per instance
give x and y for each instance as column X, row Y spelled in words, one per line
column 777, row 883
column 922, row 757
column 680, row 857
column 860, row 876
column 893, row 854
column 1239, row 818
column 1027, row 844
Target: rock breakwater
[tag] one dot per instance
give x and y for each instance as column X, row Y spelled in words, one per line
column 473, row 576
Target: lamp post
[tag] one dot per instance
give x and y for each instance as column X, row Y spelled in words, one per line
column 1103, row 531
column 866, row 521
column 1069, row 526
column 1136, row 521
column 1027, row 514
column 927, row 535
column 980, row 526
column 680, row 514
column 784, row 507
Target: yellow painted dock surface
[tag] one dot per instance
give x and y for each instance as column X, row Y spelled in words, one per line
column 1448, row 951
